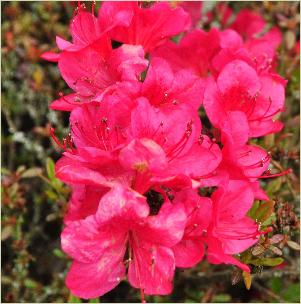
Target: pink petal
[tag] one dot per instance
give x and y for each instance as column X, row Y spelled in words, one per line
column 66, row 103
column 124, row 205
column 87, row 241
column 199, row 161
column 152, row 268
column 143, row 155
column 248, row 23
column 62, row 44
column 166, row 89
column 233, row 202
column 50, row 56
column 238, row 73
column 155, row 24
column 91, row 280
column 260, row 128
column 83, row 202
column 235, row 129
column 254, row 162
column 215, row 255
column 166, row 228
column 237, row 236
column 73, row 172
column 85, row 70
column 212, row 104
column 189, row 252
column 112, row 14
column 129, row 62
column 84, row 28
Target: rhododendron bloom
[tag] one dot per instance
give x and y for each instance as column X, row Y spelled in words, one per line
column 231, row 232
column 239, row 88
column 97, row 70
column 195, row 51
column 151, row 26
column 122, row 222
column 198, row 210
column 166, row 89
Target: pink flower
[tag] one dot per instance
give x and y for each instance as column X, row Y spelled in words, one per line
column 191, row 249
column 231, row 231
column 166, row 145
column 153, row 148
column 151, row 26
column 195, row 51
column 248, row 23
column 86, row 29
column 166, row 89
column 239, row 88
column 259, row 53
column 97, row 70
column 223, row 12
column 99, row 242
column 83, row 202
column 240, row 161
column 194, row 9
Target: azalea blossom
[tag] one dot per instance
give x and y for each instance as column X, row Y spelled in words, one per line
column 138, row 153
column 98, row 245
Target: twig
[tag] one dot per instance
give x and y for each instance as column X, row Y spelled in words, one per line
column 265, row 274
column 267, row 291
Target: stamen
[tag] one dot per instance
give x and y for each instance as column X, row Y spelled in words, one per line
column 178, row 147
column 269, row 175
column 67, row 141
column 260, row 163
column 244, row 154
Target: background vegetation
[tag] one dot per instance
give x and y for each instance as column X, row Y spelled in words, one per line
column 34, row 202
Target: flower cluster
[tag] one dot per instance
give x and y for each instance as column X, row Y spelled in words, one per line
column 137, row 154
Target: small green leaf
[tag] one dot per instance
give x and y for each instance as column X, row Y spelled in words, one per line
column 292, row 293
column 293, row 245
column 74, row 299
column 94, row 300
column 30, row 283
column 32, row 172
column 264, row 211
column 221, row 298
column 59, row 253
column 50, row 167
column 267, row 262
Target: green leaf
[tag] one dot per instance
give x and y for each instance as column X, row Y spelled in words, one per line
column 74, row 299
column 276, row 284
column 292, row 293
column 94, row 300
column 221, row 298
column 50, row 167
column 59, row 253
column 264, row 211
column 267, row 262
column 30, row 283
column 32, row 172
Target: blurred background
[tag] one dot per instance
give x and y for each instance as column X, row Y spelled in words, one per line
column 34, row 201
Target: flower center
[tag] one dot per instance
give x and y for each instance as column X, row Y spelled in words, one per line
column 155, row 200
